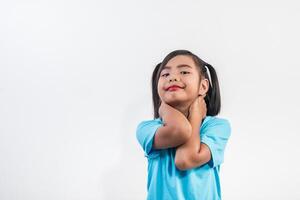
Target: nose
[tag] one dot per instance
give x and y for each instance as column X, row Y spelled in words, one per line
column 173, row 78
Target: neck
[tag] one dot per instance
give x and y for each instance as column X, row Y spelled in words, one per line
column 184, row 109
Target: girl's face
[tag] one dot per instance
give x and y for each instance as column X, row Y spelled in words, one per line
column 180, row 71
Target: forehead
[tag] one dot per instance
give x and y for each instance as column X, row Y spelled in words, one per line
column 179, row 62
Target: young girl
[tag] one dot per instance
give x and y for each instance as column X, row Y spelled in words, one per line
column 185, row 142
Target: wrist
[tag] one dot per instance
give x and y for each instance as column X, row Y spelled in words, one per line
column 195, row 117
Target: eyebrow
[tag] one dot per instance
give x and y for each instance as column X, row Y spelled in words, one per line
column 178, row 66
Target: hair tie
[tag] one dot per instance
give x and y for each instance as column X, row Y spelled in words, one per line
column 208, row 73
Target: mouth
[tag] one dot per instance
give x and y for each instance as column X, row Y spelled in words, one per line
column 173, row 88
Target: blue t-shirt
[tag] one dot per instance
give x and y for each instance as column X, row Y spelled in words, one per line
column 166, row 182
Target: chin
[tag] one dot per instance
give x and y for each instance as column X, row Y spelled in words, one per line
column 175, row 102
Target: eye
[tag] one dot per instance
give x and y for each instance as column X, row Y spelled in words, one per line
column 185, row 72
column 165, row 75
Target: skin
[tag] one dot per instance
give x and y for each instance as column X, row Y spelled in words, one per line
column 186, row 77
column 189, row 101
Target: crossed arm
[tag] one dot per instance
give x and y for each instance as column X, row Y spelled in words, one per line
column 193, row 153
column 183, row 133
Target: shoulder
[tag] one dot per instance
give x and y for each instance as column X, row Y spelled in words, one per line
column 217, row 124
column 149, row 122
column 213, row 120
column 146, row 129
column 148, row 126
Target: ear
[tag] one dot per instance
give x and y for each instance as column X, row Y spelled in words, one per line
column 203, row 87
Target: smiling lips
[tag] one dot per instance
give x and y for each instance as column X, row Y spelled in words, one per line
column 173, row 88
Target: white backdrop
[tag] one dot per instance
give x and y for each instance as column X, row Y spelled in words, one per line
column 75, row 82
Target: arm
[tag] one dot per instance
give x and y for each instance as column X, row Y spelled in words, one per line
column 175, row 131
column 193, row 153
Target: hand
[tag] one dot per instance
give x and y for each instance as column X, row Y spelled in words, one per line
column 198, row 108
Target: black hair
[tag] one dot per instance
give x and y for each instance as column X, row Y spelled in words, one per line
column 212, row 98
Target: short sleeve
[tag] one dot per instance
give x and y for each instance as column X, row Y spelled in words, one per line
column 145, row 133
column 215, row 136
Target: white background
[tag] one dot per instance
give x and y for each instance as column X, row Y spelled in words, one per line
column 75, row 82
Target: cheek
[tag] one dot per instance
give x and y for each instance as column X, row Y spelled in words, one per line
column 192, row 86
column 160, row 82
column 159, row 87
